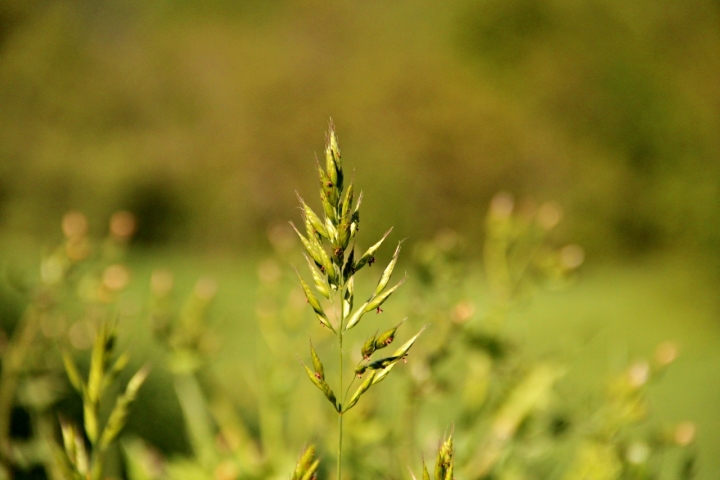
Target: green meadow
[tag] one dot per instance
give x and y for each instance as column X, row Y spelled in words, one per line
column 551, row 168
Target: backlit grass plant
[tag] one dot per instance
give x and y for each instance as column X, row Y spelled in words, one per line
column 329, row 244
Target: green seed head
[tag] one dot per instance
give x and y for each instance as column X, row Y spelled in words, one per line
column 426, row 474
column 444, row 463
column 387, row 337
column 321, row 284
column 307, row 465
column 311, row 298
column 318, row 382
column 370, row 253
column 367, row 383
column 387, row 273
column 312, row 218
column 380, row 299
column 327, row 203
column 317, row 364
column 308, row 245
column 349, row 268
column 347, row 203
column 368, row 347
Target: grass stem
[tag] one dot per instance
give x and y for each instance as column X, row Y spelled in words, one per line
column 340, row 375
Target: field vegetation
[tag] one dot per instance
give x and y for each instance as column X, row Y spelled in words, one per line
column 550, row 168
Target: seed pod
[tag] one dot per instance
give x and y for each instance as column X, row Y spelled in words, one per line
column 317, row 364
column 399, row 354
column 319, row 382
column 387, row 273
column 334, row 147
column 312, row 217
column 347, row 203
column 368, row 347
column 403, row 350
column 325, row 262
column 449, row 471
column 380, row 299
column 321, row 284
column 118, row 416
column 101, row 348
column 383, row 363
column 331, row 230
column 328, row 205
column 386, row 338
column 312, row 300
column 360, row 369
column 82, row 458
column 330, row 396
column 68, row 436
column 116, row 369
column 324, row 179
column 355, row 318
column 343, row 238
column 355, row 218
column 348, row 298
column 309, row 246
column 321, row 257
column 315, row 380
column 337, row 256
column 367, row 383
column 349, row 268
column 306, row 463
column 370, row 253
column 310, row 474
column 333, row 158
column 444, row 461
column 426, row 474
column 330, row 166
column 359, row 202
column 90, row 420
column 439, row 470
column 73, row 373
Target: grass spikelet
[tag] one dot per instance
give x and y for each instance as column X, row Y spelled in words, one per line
column 337, row 270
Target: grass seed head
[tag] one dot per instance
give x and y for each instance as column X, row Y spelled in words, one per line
column 426, row 474
column 313, row 218
column 309, row 246
column 347, row 203
column 307, row 465
column 387, row 273
column 387, row 337
column 444, row 461
column 370, row 252
column 369, row 347
column 317, row 364
column 381, row 298
column 321, row 284
column 367, row 383
column 314, row 303
column 349, row 269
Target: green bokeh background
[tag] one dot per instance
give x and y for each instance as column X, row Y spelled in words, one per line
column 203, row 119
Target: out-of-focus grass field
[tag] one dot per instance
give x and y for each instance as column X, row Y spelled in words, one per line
column 613, row 314
column 608, row 317
column 202, row 119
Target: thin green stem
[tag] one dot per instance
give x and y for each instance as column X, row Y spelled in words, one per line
column 340, row 375
column 340, row 413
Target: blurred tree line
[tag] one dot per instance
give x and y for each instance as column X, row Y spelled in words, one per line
column 199, row 118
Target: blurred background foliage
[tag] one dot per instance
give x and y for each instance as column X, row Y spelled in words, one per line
column 202, row 119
